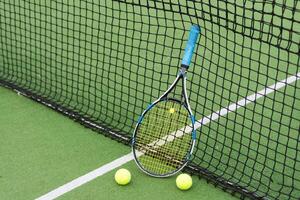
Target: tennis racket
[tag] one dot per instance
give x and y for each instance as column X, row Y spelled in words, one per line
column 164, row 136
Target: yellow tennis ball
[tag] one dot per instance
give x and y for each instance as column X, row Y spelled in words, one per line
column 172, row 110
column 122, row 176
column 184, row 181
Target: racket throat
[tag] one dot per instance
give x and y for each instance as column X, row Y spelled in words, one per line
column 183, row 70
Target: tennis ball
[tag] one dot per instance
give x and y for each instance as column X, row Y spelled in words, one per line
column 184, row 181
column 122, row 176
column 172, row 110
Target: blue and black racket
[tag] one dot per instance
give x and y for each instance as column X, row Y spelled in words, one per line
column 164, row 136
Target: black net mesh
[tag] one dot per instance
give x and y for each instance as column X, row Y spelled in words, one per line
column 102, row 63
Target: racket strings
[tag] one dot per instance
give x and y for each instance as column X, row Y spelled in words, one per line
column 162, row 139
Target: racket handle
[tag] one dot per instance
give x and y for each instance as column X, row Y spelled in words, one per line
column 189, row 49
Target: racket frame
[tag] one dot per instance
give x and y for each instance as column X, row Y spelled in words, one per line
column 181, row 76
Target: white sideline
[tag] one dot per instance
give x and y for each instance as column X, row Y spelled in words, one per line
column 205, row 120
column 247, row 100
column 86, row 178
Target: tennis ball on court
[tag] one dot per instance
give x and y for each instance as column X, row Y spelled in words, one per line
column 122, row 176
column 184, row 181
column 171, row 110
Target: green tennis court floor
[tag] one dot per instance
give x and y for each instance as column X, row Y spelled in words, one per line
column 41, row 150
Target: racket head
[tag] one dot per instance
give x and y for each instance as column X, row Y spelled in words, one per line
column 164, row 138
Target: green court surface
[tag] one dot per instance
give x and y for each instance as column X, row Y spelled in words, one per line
column 41, row 150
column 107, row 60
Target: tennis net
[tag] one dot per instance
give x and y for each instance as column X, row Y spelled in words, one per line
column 102, row 62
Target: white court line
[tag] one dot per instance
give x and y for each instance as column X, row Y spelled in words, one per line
column 247, row 100
column 205, row 120
column 86, row 178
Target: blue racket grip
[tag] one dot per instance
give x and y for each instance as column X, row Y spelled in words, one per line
column 189, row 49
